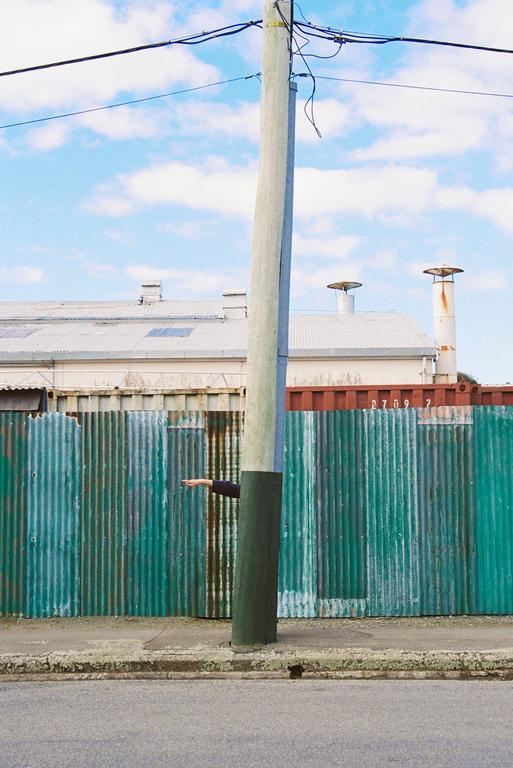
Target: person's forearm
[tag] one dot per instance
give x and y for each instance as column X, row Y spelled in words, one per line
column 198, row 481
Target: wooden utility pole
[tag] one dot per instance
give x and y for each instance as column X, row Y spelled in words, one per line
column 256, row 571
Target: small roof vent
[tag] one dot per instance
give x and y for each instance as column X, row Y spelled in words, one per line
column 235, row 304
column 151, row 292
column 345, row 300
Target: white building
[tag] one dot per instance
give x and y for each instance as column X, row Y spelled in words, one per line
column 167, row 345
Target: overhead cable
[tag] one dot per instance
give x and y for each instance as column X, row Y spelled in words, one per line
column 127, row 103
column 412, row 87
column 342, row 36
column 196, row 39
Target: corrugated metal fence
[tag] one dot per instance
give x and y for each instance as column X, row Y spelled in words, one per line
column 385, row 513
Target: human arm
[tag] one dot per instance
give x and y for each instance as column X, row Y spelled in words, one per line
column 222, row 487
column 197, row 481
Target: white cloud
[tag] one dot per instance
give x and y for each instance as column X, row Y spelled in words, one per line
column 99, row 271
column 50, row 136
column 485, row 281
column 364, row 191
column 119, row 236
column 426, row 123
column 212, row 187
column 333, row 246
column 190, row 283
column 57, row 29
column 123, row 123
column 496, row 205
column 22, row 275
column 393, row 194
column 383, row 260
column 191, row 229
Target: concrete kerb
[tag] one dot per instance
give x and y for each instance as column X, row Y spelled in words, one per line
column 222, row 663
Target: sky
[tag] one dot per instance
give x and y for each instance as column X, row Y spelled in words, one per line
column 401, row 179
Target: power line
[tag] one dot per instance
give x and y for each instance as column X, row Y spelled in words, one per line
column 413, row 87
column 127, row 103
column 341, row 36
column 196, row 39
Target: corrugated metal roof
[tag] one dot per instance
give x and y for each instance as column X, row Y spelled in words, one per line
column 49, row 311
column 337, row 335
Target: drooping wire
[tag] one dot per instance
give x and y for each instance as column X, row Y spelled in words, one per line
column 342, row 36
column 128, row 103
column 196, row 39
column 309, row 106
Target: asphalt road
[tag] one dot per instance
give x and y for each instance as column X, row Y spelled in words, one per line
column 255, row 724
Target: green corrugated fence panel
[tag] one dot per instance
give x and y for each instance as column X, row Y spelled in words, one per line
column 223, row 443
column 446, row 510
column 13, row 443
column 297, row 582
column 392, row 512
column 493, row 438
column 341, row 524
column 147, row 526
column 187, row 516
column 53, row 516
column 103, row 529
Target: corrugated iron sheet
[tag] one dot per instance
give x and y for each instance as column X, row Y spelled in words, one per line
column 104, row 474
column 224, row 432
column 147, row 527
column 446, row 511
column 385, row 513
column 53, row 516
column 392, row 512
column 187, row 516
column 493, row 446
column 341, row 523
column 297, row 581
column 13, row 444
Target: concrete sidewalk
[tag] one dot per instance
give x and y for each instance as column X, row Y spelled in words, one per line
column 446, row 647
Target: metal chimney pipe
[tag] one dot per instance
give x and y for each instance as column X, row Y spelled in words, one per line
column 444, row 322
column 345, row 300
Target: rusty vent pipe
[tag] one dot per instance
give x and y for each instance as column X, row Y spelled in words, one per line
column 444, row 322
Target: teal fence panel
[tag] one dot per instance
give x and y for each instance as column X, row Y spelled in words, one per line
column 341, row 523
column 187, row 516
column 297, row 581
column 103, row 572
column 392, row 512
column 493, row 441
column 147, row 525
column 52, row 564
column 13, row 450
column 385, row 513
column 446, row 510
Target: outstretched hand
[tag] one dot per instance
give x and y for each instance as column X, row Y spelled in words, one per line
column 194, row 482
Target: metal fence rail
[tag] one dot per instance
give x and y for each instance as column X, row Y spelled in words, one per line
column 385, row 513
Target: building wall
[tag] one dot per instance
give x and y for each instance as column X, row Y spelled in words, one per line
column 220, row 373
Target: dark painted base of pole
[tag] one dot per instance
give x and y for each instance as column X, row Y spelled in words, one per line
column 255, row 603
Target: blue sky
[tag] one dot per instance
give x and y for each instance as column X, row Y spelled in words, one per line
column 401, row 180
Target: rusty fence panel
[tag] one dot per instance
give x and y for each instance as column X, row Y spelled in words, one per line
column 385, row 513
